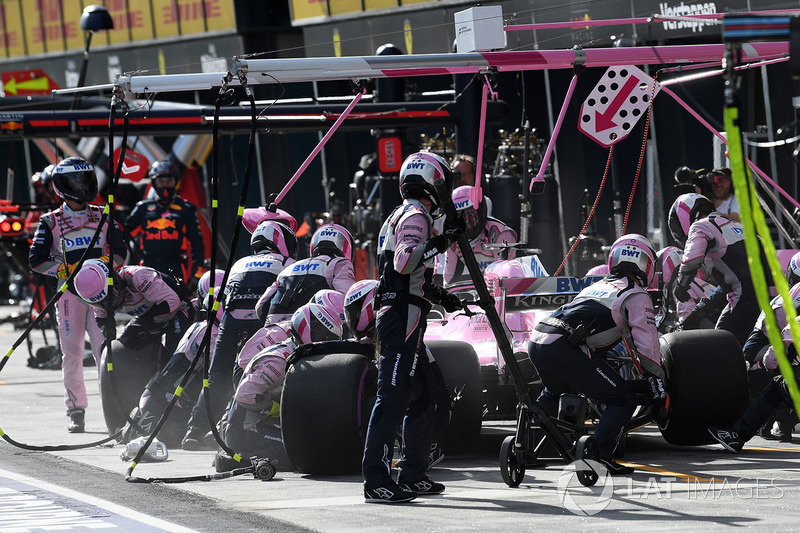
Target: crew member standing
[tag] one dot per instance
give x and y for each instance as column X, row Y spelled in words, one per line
column 58, row 244
column 406, row 380
column 161, row 225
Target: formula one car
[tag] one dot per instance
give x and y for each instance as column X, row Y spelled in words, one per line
column 328, row 397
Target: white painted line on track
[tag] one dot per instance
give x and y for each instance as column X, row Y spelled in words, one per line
column 119, row 510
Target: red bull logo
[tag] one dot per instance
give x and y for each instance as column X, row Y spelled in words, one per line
column 161, row 224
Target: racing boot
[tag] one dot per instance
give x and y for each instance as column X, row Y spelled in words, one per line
column 195, row 440
column 729, row 438
column 616, row 469
column 77, row 423
column 785, row 420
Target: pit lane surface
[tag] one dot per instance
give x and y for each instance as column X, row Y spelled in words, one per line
column 689, row 488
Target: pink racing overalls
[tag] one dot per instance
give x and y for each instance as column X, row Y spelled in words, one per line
column 61, row 237
column 495, row 232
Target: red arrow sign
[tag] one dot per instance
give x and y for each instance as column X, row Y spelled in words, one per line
column 603, row 121
column 134, row 166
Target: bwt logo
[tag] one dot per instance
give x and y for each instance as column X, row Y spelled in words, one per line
column 352, row 298
column 738, row 231
column 462, row 204
column 630, row 253
column 325, row 321
column 304, row 268
column 415, row 166
column 329, row 233
column 259, row 264
column 77, row 241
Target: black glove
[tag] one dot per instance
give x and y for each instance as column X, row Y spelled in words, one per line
column 657, row 393
column 682, row 293
column 436, row 245
column 451, row 303
column 453, row 234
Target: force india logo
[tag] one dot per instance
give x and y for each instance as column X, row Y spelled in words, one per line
column 686, row 10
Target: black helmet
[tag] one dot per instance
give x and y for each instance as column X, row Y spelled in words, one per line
column 74, row 179
column 163, row 169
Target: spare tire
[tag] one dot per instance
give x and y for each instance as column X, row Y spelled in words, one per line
column 461, row 370
column 121, row 388
column 325, row 409
column 706, row 379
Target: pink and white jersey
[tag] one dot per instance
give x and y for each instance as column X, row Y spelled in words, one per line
column 189, row 344
column 612, row 308
column 264, row 374
column 64, row 234
column 777, row 307
column 146, row 291
column 770, row 359
column 495, row 232
column 722, row 241
column 297, row 283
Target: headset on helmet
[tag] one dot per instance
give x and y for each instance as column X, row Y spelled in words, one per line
column 333, row 240
column 474, row 218
column 91, row 282
column 164, row 169
column 359, row 308
column 74, row 179
column 420, row 175
column 274, row 237
column 687, row 209
column 793, row 270
column 314, row 323
column 633, row 254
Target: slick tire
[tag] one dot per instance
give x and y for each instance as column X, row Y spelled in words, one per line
column 460, row 366
column 706, row 379
column 325, row 410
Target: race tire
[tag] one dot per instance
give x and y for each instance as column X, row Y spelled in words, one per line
column 325, row 410
column 460, row 367
column 121, row 388
column 706, row 379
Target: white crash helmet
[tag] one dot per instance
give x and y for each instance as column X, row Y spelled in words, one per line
column 333, row 240
column 274, row 237
column 793, row 270
column 633, row 254
column 420, row 175
column 687, row 209
column 359, row 307
column 314, row 323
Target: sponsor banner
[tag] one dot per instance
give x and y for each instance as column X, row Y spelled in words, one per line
column 29, row 27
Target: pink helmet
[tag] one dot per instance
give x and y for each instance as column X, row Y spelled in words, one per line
column 331, row 300
column 333, row 240
column 91, row 281
column 633, row 254
column 359, row 307
column 205, row 283
column 687, row 209
column 314, row 323
column 274, row 237
column 474, row 217
column 598, row 270
column 670, row 258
